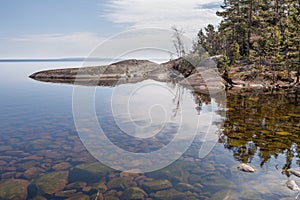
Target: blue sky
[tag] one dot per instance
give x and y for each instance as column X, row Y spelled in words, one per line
column 72, row 28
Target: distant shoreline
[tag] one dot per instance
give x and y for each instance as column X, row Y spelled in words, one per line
column 56, row 60
column 111, row 60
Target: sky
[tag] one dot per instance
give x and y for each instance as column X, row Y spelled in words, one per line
column 73, row 28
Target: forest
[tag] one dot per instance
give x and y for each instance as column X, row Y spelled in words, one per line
column 256, row 33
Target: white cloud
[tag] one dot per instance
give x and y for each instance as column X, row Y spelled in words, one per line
column 136, row 43
column 49, row 45
column 189, row 15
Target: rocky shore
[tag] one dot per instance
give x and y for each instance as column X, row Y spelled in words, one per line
column 132, row 71
column 203, row 77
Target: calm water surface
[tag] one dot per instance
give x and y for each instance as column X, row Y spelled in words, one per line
column 42, row 156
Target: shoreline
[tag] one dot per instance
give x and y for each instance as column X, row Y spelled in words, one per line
column 180, row 70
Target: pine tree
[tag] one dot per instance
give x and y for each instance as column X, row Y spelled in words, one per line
column 264, row 32
column 209, row 41
column 236, row 52
column 292, row 39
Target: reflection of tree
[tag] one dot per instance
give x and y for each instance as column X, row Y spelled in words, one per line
column 262, row 124
column 177, row 99
column 200, row 98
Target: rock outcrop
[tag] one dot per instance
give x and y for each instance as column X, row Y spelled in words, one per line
column 181, row 71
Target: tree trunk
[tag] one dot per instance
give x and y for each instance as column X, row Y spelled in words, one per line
column 249, row 28
column 298, row 69
column 298, row 73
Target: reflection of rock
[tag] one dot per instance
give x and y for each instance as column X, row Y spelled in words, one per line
column 13, row 189
column 133, row 71
column 245, row 167
column 49, row 183
column 291, row 184
column 130, row 71
column 91, row 172
column 294, row 172
column 133, row 193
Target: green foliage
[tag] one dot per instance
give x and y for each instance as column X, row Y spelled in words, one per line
column 223, row 64
column 258, row 31
column 236, row 52
column 209, row 40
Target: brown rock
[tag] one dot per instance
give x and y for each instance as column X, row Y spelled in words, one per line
column 13, row 189
column 33, row 172
column 50, row 183
column 33, row 157
column 8, row 175
column 61, row 166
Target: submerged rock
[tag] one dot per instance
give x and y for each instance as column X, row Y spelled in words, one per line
column 13, row 189
column 61, row 166
column 65, row 193
column 79, row 196
column 245, row 168
column 90, row 173
column 185, row 187
column 49, row 183
column 33, row 172
column 76, row 185
column 120, row 183
column 133, row 193
column 217, row 181
column 170, row 194
column 156, row 185
column 101, row 187
column 39, row 197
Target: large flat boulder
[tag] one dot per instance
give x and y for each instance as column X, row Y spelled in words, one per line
column 13, row 189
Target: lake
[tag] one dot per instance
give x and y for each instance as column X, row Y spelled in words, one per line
column 47, row 154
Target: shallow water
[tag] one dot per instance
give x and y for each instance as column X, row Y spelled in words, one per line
column 40, row 144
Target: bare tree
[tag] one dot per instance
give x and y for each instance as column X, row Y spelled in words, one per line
column 177, row 41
